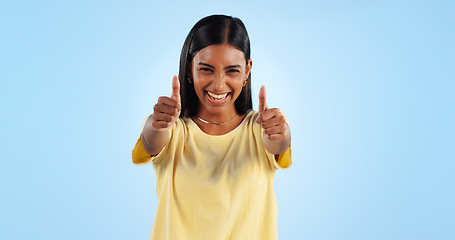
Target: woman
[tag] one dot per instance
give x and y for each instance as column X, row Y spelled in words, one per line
column 214, row 157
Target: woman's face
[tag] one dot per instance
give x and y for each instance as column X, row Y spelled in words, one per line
column 219, row 73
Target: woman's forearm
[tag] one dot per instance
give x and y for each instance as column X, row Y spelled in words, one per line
column 154, row 140
column 277, row 147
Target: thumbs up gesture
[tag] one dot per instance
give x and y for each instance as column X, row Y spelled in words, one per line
column 167, row 110
column 277, row 135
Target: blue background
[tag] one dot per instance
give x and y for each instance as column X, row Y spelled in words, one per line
column 368, row 87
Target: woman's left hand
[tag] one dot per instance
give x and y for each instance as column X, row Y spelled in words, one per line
column 277, row 135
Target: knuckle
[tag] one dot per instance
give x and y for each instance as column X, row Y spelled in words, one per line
column 170, row 102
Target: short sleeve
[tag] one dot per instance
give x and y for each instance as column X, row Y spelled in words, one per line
column 141, row 157
column 283, row 161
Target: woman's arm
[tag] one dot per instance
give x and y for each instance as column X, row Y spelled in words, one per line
column 277, row 133
column 156, row 132
column 277, row 146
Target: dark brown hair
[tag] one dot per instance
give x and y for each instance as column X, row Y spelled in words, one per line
column 212, row 30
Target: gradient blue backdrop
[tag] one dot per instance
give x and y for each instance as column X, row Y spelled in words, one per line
column 367, row 85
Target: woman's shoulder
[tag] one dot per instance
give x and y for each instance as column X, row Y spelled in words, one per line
column 251, row 117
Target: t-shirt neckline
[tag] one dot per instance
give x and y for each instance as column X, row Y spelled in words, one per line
column 223, row 135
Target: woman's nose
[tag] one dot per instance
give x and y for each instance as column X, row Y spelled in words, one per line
column 219, row 81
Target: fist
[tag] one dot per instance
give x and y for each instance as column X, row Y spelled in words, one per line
column 271, row 119
column 167, row 110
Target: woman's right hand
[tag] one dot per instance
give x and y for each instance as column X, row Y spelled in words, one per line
column 167, row 110
column 155, row 134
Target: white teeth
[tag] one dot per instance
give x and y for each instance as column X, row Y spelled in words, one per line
column 218, row 96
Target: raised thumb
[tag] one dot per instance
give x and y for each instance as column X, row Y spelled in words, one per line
column 175, row 88
column 262, row 100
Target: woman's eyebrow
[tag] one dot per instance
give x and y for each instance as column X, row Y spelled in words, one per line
column 233, row 66
column 208, row 65
column 205, row 64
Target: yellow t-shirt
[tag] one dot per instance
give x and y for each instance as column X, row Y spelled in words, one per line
column 215, row 187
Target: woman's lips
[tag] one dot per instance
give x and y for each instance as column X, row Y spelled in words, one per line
column 217, row 98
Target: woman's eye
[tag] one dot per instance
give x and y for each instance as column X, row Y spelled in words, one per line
column 233, row 71
column 205, row 69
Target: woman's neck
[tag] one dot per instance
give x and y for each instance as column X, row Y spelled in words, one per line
column 219, row 127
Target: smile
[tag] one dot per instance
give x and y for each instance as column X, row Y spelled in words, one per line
column 217, row 98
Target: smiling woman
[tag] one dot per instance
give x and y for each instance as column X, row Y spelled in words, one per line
column 213, row 31
column 219, row 75
column 214, row 157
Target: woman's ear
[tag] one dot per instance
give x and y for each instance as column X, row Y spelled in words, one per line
column 189, row 76
column 189, row 72
column 249, row 65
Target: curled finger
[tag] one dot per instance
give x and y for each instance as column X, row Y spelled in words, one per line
column 165, row 109
column 168, row 101
column 281, row 129
column 160, row 124
column 276, row 137
column 162, row 117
